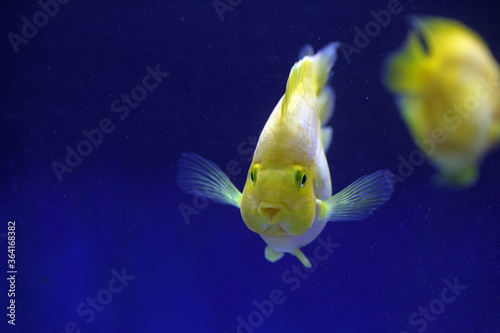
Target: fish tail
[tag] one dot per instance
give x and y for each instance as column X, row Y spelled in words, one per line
column 313, row 72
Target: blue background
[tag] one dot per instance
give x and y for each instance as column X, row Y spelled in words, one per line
column 119, row 209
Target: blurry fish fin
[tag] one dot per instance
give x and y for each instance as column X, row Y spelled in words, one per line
column 326, row 137
column 303, row 259
column 310, row 72
column 306, row 50
column 326, row 104
column 434, row 26
column 358, row 200
column 421, row 33
column 494, row 134
column 272, row 255
column 404, row 69
column 198, row 176
column 460, row 180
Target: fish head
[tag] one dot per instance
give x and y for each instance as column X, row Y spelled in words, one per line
column 279, row 200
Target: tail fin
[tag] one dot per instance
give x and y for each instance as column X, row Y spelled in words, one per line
column 312, row 71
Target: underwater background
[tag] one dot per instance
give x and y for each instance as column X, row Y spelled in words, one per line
column 107, row 242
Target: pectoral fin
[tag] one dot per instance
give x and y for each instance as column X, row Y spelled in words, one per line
column 303, row 259
column 463, row 179
column 272, row 255
column 198, row 176
column 358, row 200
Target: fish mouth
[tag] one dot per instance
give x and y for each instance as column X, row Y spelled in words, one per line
column 272, row 214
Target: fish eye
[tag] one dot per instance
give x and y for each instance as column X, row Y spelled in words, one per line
column 423, row 42
column 301, row 178
column 253, row 174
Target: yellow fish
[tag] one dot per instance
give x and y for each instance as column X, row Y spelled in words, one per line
column 287, row 197
column 447, row 82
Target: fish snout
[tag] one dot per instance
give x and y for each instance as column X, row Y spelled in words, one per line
column 271, row 213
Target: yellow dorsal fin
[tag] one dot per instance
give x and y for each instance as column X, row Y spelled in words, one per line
column 404, row 69
column 296, row 78
column 408, row 68
column 310, row 72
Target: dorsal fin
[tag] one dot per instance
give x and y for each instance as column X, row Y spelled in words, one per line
column 310, row 71
column 296, row 77
column 306, row 50
column 326, row 104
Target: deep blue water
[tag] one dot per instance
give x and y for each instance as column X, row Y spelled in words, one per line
column 117, row 212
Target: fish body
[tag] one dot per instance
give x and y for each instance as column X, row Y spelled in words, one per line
column 287, row 198
column 446, row 80
column 290, row 148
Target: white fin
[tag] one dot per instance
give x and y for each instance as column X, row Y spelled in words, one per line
column 306, row 50
column 303, row 259
column 358, row 200
column 198, row 176
column 272, row 255
column 326, row 105
column 326, row 137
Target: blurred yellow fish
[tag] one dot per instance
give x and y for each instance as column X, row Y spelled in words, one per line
column 287, row 197
column 447, row 82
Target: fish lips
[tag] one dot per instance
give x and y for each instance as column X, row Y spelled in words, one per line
column 273, row 214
